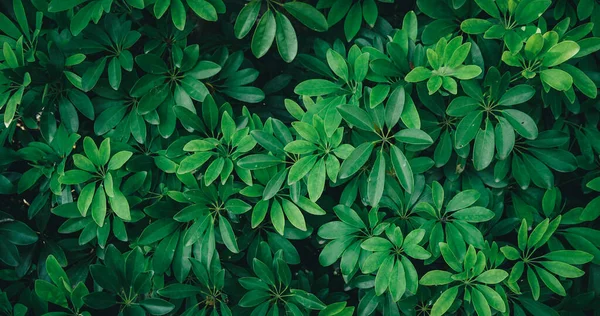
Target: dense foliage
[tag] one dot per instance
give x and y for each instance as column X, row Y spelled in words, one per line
column 299, row 157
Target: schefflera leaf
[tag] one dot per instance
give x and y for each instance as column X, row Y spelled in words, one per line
column 442, row 173
column 446, row 60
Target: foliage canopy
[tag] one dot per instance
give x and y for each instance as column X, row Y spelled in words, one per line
column 299, row 157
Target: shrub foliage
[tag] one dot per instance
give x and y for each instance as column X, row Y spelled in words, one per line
column 299, row 157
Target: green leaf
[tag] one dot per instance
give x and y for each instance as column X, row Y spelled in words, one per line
column 333, row 250
column 489, row 6
column 436, row 277
column 68, row 115
column 376, row 180
column 492, row 297
column 560, row 53
column 337, row 63
column 178, row 14
column 21, row 17
column 254, row 298
column 410, row 24
column 459, row 55
column 349, row 216
column 413, row 136
column 203, row 9
column 204, row 70
column 119, row 205
column 301, row 168
column 9, row 56
column 462, row 200
column 228, row 235
column 534, row 283
column 475, row 214
column 528, row 11
column 492, row 276
column 410, row 115
column 588, row 46
column 307, row 15
column 50, row 293
column 562, row 269
column 522, row 123
column 475, row 26
column 336, row 230
column 109, row 119
column 376, row 244
column 356, row 160
column 417, row 252
column 394, row 106
column 480, row 303
column 418, row 74
column 251, row 283
column 382, row 280
column 569, row 256
column 246, row 19
column 591, row 210
column 522, row 235
column 99, row 206
column 153, row 99
column 264, row 34
column 356, row 116
column 119, row 159
column 114, row 73
column 557, row 79
column 56, row 272
column 179, row 291
column 307, row 300
column 316, row 87
column 293, row 214
column 188, row 118
column 82, row 102
column 298, row 147
column 75, row 177
column 444, row 302
column 550, row 281
column 245, row 94
column 517, row 95
column 258, row 161
column 559, row 160
column 467, row 128
column 353, row 21
column 505, row 138
column 11, row 106
column 461, row 106
column 63, row 5
column 450, row 257
column 138, row 4
column 287, row 44
column 483, row 150
column 195, row 89
column 263, row 271
column 370, row 12
column 434, row 83
column 581, row 81
column 157, row 230
column 157, row 306
column 214, row 170
column 306, row 131
column 92, row 75
column 534, row 46
column 402, row 169
column 466, row 72
column 361, row 66
column 316, row 180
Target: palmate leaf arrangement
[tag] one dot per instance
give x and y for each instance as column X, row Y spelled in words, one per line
column 216, row 157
